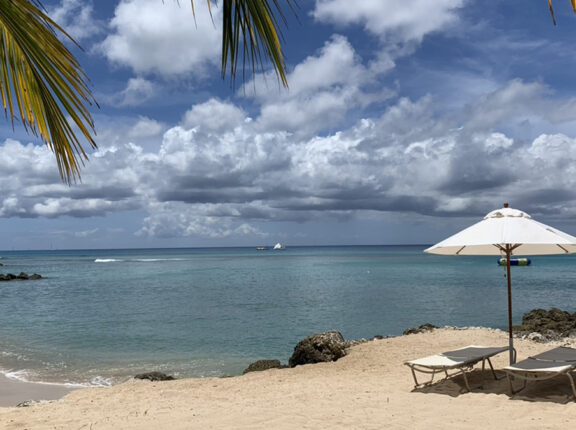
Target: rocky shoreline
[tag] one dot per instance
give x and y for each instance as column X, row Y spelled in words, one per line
column 538, row 325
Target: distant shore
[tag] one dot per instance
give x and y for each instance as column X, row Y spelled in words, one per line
column 369, row 388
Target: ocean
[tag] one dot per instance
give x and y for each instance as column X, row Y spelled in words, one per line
column 101, row 316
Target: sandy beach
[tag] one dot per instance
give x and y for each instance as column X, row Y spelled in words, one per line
column 370, row 388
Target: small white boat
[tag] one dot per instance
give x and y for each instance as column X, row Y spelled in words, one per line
column 261, row 248
column 279, row 246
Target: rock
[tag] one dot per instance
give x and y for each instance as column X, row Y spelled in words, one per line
column 536, row 337
column 22, row 276
column 421, row 329
column 260, row 365
column 553, row 324
column 27, row 403
column 319, row 348
column 154, row 376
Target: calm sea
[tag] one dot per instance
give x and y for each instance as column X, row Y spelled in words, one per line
column 101, row 316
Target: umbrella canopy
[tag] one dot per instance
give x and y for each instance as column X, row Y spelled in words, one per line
column 507, row 232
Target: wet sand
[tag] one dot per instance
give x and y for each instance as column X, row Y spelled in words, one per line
column 13, row 391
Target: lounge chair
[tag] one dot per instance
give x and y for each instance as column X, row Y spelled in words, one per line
column 461, row 361
column 555, row 362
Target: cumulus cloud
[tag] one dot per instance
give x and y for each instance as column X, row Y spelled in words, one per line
column 229, row 178
column 214, row 115
column 76, row 17
column 146, row 127
column 396, row 20
column 323, row 88
column 161, row 38
column 137, row 92
column 177, row 220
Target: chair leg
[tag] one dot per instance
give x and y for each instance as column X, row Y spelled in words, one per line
column 493, row 371
column 511, row 385
column 572, row 384
column 466, row 380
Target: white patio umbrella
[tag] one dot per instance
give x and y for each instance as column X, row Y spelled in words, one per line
column 507, row 232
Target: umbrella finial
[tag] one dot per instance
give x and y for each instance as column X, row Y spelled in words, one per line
column 506, row 205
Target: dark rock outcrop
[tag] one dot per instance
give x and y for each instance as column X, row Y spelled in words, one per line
column 260, row 365
column 20, row 277
column 421, row 329
column 319, row 348
column 552, row 324
column 154, row 376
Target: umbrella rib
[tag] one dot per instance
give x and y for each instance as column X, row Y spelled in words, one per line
column 460, row 250
column 563, row 249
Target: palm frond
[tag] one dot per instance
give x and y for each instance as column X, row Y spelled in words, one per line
column 551, row 7
column 41, row 83
column 251, row 30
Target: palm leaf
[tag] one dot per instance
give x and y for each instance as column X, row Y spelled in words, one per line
column 551, row 7
column 250, row 29
column 41, row 83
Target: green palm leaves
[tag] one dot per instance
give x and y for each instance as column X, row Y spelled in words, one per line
column 43, row 86
column 552, row 9
column 41, row 83
column 251, row 26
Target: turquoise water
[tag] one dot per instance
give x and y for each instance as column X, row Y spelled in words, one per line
column 100, row 316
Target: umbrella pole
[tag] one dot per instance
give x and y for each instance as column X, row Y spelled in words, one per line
column 508, row 272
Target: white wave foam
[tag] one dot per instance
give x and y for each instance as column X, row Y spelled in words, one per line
column 24, row 376
column 17, row 375
column 100, row 381
column 106, row 260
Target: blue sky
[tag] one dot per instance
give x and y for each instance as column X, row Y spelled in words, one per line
column 405, row 121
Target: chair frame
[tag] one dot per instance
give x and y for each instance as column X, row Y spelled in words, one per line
column 542, row 375
column 460, row 369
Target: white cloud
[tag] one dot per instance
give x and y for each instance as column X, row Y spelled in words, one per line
column 229, row 178
column 323, row 88
column 176, row 220
column 396, row 20
column 76, row 17
column 137, row 92
column 161, row 37
column 146, row 127
column 214, row 115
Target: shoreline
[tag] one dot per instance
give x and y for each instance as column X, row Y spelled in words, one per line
column 13, row 391
column 368, row 388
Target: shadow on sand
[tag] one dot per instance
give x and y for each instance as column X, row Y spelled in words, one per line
column 556, row 390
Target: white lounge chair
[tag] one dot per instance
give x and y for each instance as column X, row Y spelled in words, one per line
column 550, row 364
column 460, row 361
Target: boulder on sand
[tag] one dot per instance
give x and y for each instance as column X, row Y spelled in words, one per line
column 154, row 376
column 260, row 365
column 319, row 348
column 421, row 329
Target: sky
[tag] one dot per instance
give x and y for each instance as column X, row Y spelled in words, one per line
column 404, row 121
